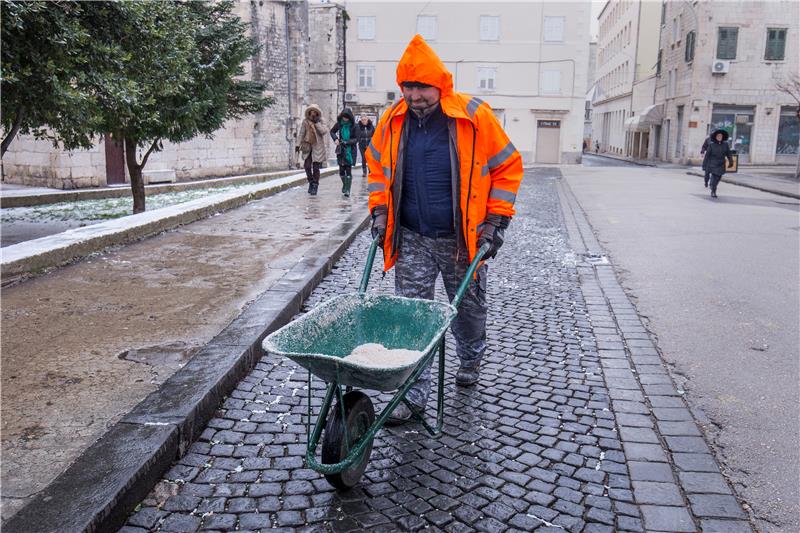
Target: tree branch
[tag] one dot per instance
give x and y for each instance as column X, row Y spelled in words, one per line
column 147, row 154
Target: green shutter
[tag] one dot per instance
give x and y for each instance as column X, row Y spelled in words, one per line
column 776, row 44
column 726, row 43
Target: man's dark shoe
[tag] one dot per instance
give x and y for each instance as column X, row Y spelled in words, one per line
column 310, row 187
column 467, row 376
column 401, row 415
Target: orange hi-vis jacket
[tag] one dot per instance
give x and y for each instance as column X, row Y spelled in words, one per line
column 489, row 167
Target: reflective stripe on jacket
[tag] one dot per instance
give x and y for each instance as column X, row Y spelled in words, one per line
column 490, row 168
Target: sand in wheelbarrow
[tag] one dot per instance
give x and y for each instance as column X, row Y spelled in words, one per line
column 379, row 356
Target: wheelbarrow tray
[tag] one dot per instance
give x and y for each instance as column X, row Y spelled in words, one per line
column 320, row 339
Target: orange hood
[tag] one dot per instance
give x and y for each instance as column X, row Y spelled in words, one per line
column 420, row 63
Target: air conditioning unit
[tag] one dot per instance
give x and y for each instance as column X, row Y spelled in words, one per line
column 390, row 96
column 350, row 97
column 720, row 67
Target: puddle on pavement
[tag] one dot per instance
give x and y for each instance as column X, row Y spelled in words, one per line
column 171, row 355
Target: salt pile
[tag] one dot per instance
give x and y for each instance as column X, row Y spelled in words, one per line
column 379, row 356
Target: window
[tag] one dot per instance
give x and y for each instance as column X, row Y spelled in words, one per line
column 550, row 82
column 426, row 26
column 675, row 30
column 776, row 44
column 688, row 53
column 366, row 28
column 658, row 63
column 490, row 28
column 788, row 132
column 726, row 43
column 366, row 76
column 486, row 78
column 554, row 29
column 663, row 12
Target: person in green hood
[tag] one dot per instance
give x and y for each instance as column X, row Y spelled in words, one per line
column 344, row 134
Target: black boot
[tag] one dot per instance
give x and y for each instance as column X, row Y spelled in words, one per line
column 312, row 189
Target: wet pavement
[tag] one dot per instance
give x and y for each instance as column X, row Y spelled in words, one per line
column 85, row 343
column 575, row 425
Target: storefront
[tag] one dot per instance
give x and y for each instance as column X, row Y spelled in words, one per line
column 738, row 122
column 788, row 143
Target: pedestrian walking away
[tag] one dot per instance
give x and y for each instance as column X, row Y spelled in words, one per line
column 703, row 151
column 344, row 133
column 364, row 132
column 443, row 178
column 311, row 145
column 714, row 161
column 597, row 147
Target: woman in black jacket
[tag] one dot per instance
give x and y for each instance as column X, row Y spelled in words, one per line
column 365, row 129
column 714, row 161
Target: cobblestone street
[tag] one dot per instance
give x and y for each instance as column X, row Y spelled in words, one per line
column 575, row 424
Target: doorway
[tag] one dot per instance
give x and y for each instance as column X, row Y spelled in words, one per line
column 548, row 138
column 115, row 161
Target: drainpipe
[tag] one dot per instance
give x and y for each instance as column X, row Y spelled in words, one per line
column 290, row 115
column 344, row 50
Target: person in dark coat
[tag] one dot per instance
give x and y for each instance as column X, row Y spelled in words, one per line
column 364, row 131
column 714, row 162
column 703, row 150
column 344, row 133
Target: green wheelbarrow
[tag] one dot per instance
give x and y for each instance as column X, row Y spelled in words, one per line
column 319, row 341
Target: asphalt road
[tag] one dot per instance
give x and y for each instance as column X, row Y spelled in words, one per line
column 718, row 282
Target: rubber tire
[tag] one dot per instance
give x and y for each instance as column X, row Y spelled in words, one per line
column 359, row 416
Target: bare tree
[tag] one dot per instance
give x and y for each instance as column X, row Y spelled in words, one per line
column 791, row 86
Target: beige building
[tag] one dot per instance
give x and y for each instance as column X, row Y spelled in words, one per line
column 627, row 54
column 297, row 66
column 720, row 62
column 528, row 60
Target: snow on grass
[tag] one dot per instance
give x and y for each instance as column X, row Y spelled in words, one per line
column 103, row 209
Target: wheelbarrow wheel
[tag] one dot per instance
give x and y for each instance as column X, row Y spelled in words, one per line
column 359, row 415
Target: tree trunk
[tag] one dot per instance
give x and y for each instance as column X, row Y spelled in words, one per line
column 135, row 171
column 13, row 131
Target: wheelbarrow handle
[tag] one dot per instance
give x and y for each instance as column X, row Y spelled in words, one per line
column 462, row 289
column 368, row 267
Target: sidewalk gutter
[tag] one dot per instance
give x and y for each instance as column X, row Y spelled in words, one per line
column 10, row 199
column 98, row 491
column 54, row 250
column 733, row 181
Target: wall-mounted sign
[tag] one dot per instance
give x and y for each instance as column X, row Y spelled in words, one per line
column 692, row 123
column 549, row 123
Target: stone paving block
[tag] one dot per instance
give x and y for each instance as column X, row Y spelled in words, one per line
column 673, row 519
column 647, row 471
column 657, row 493
column 704, row 482
column 633, row 434
column 725, row 526
column 679, row 429
column 715, row 506
column 636, row 451
column 687, row 444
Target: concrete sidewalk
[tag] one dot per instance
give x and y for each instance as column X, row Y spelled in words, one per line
column 83, row 345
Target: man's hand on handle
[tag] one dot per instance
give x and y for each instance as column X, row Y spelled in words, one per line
column 493, row 233
column 380, row 216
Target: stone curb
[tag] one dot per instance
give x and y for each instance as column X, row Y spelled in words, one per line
column 106, row 482
column 733, row 181
column 54, row 250
column 632, row 161
column 74, row 195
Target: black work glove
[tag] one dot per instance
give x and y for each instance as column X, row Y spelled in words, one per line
column 492, row 233
column 380, row 217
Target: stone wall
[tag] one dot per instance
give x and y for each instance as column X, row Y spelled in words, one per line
column 326, row 61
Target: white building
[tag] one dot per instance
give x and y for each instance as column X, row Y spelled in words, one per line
column 627, row 54
column 720, row 62
column 527, row 60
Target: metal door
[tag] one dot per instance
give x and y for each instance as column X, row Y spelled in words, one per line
column 548, row 137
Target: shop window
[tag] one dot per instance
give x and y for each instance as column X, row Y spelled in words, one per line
column 788, row 132
column 776, row 44
column 727, row 39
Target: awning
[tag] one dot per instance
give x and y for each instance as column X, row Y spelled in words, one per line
column 650, row 116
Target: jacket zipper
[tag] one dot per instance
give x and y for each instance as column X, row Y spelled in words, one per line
column 469, row 187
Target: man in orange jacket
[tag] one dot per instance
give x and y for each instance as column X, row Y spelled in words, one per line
column 443, row 180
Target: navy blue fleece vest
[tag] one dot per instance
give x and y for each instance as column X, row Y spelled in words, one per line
column 426, row 205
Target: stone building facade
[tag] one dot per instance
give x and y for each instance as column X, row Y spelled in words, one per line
column 720, row 62
column 528, row 60
column 289, row 42
column 627, row 53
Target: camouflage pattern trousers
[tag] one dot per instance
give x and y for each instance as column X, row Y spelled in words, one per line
column 420, row 261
